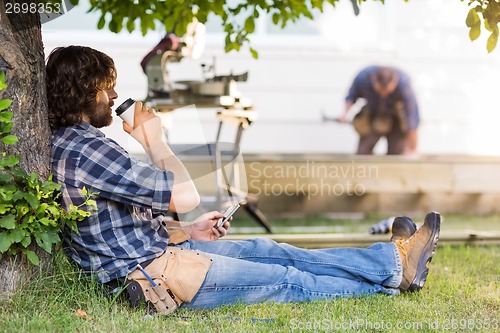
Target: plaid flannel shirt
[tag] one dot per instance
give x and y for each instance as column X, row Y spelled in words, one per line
column 128, row 227
column 362, row 88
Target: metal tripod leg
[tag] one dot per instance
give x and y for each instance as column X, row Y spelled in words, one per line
column 250, row 205
column 224, row 182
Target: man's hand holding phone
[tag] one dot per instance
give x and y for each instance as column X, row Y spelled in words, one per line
column 227, row 215
column 206, row 227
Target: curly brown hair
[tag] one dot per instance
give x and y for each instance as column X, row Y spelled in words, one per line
column 75, row 74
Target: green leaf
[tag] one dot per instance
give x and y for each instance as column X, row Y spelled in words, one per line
column 9, row 161
column 26, row 241
column 19, row 195
column 5, row 103
column 50, row 187
column 116, row 21
column 8, row 222
column 54, row 210
column 71, row 224
column 229, row 47
column 5, row 127
column 250, row 24
column 32, row 200
column 4, row 242
column 102, row 22
column 7, row 193
column 91, row 204
column 17, row 235
column 472, row 18
column 130, row 25
column 144, row 25
column 5, row 178
column 45, row 221
column 492, row 42
column 10, row 139
column 254, row 53
column 5, row 116
column 151, row 25
column 33, row 178
column 475, row 32
column 2, row 77
column 53, row 235
column 43, row 240
column 112, row 26
column 23, row 209
column 487, row 26
column 4, row 208
column 276, row 18
column 32, row 257
column 169, row 22
column 19, row 172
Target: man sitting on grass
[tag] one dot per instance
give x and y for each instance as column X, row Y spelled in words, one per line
column 172, row 263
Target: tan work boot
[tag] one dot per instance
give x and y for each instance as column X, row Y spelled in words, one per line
column 402, row 228
column 417, row 251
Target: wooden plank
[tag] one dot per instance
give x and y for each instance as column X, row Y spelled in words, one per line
column 477, row 178
column 457, row 175
column 321, row 183
column 361, row 240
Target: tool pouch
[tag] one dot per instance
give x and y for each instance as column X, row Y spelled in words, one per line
column 382, row 124
column 178, row 275
column 177, row 236
column 362, row 122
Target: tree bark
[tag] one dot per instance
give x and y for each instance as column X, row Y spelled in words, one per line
column 22, row 58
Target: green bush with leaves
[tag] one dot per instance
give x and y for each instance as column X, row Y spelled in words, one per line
column 29, row 208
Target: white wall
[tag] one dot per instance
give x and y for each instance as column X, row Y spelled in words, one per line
column 299, row 75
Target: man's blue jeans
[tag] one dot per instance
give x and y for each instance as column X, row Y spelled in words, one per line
column 260, row 269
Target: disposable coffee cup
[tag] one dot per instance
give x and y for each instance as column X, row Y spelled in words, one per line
column 125, row 111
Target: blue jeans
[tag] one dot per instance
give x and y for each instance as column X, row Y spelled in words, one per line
column 258, row 270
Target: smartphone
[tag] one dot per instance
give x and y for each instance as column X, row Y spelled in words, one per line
column 227, row 214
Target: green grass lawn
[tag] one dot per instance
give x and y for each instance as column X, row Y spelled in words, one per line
column 462, row 294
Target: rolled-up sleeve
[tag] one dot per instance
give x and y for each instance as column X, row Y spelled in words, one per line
column 353, row 93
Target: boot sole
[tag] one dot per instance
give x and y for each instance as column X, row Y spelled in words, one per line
column 434, row 220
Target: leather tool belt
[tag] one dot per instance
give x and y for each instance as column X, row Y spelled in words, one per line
column 178, row 275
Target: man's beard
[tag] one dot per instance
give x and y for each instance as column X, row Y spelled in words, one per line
column 100, row 117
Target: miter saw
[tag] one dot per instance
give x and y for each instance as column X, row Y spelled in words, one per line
column 165, row 94
column 212, row 91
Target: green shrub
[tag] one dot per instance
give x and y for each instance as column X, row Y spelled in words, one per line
column 29, row 207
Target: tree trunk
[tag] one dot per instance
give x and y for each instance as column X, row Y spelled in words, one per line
column 22, row 58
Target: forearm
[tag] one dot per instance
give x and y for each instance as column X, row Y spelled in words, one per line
column 182, row 231
column 185, row 197
column 178, row 231
column 172, row 224
column 411, row 143
column 348, row 105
